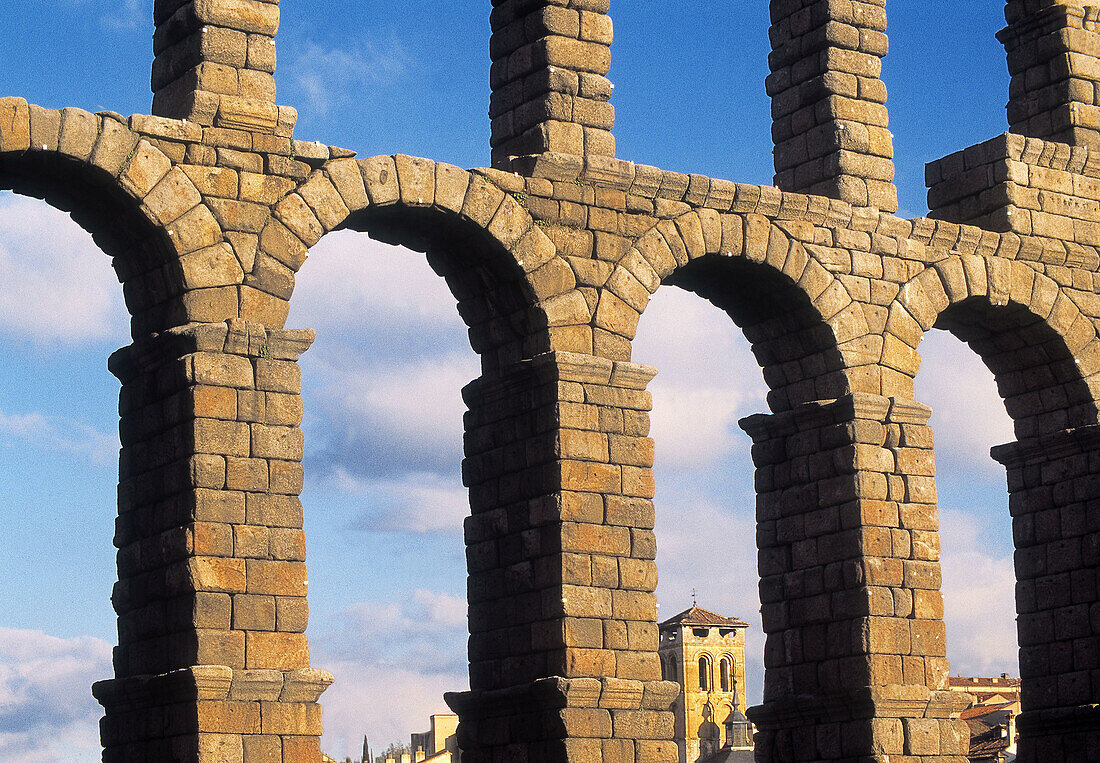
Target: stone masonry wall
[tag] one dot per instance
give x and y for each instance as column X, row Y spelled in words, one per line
column 828, row 101
column 1053, row 60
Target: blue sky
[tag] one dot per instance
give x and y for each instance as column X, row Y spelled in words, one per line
column 383, row 500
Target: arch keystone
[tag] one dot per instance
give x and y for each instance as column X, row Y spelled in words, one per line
column 711, row 223
column 757, row 237
column 733, row 235
column 45, row 128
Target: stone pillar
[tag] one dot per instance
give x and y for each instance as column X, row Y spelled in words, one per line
column 1054, row 59
column 550, row 91
column 1053, row 491
column 829, row 119
column 855, row 659
column 560, row 550
column 212, row 662
column 215, row 62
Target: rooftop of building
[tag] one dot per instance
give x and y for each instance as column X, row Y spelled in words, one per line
column 1002, row 680
column 980, row 711
column 699, row 616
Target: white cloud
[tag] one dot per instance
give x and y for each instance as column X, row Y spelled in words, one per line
column 330, row 78
column 968, row 417
column 128, row 16
column 377, row 419
column 47, row 712
column 979, row 587
column 392, row 662
column 413, row 400
column 694, row 428
column 58, row 286
column 382, row 385
column 707, row 379
column 353, row 282
column 413, row 502
column 62, row 434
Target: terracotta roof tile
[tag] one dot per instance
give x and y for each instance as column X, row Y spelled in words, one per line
column 700, row 616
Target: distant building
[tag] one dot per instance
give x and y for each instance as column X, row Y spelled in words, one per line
column 705, row 653
column 439, row 744
column 1002, row 688
column 992, row 717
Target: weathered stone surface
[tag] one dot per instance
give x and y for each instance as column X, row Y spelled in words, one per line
column 552, row 256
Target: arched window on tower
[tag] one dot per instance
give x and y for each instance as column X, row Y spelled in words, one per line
column 725, row 671
column 704, row 673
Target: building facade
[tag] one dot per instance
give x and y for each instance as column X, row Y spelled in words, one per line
column 705, row 653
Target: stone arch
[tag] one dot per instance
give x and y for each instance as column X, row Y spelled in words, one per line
column 513, row 290
column 1043, row 351
column 751, row 268
column 141, row 209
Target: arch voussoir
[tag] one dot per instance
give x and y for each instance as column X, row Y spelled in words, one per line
column 298, row 217
column 794, row 259
column 324, row 200
column 347, row 179
column 80, row 162
column 79, row 130
column 675, row 241
column 482, row 201
column 655, row 250
column 451, row 183
column 380, row 178
column 15, row 126
column 416, row 180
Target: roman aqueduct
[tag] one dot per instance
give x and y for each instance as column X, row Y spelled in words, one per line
column 209, row 207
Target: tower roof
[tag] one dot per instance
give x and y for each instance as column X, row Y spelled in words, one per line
column 700, row 616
